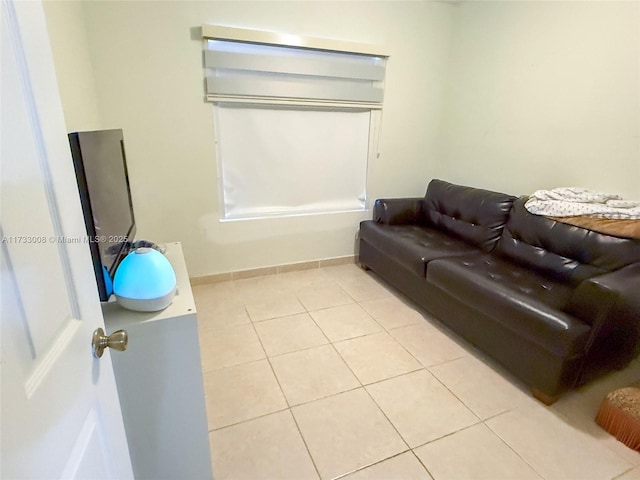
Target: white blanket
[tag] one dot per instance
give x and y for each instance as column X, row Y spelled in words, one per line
column 574, row 201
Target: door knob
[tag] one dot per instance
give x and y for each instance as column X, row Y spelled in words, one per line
column 117, row 340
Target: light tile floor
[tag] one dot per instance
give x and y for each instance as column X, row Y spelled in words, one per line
column 328, row 373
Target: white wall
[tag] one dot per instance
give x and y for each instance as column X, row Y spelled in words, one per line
column 147, row 64
column 544, row 94
column 512, row 96
column 68, row 36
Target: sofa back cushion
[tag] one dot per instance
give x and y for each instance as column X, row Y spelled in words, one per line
column 562, row 251
column 477, row 216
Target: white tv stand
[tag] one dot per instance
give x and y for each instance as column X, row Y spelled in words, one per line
column 159, row 380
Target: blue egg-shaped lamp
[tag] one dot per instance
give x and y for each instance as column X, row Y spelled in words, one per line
column 145, row 281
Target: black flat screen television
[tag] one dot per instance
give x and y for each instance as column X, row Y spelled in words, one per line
column 103, row 182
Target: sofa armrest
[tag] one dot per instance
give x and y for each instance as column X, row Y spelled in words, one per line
column 398, row 211
column 611, row 304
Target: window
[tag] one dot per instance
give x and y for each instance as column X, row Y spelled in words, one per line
column 294, row 125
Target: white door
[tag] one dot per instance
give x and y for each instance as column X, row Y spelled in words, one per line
column 60, row 412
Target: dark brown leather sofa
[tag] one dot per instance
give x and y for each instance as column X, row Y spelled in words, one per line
column 556, row 304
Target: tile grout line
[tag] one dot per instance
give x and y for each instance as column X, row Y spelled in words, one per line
column 423, row 367
column 624, row 473
column 242, row 298
column 247, row 420
column 306, row 446
column 342, row 475
column 268, row 358
column 422, row 463
column 362, row 386
column 509, row 446
column 289, row 408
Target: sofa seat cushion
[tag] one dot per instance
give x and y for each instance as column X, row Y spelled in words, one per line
column 411, row 245
column 523, row 301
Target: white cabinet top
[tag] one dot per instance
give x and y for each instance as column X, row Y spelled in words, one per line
column 116, row 317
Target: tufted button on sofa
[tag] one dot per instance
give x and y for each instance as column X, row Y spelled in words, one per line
column 556, row 304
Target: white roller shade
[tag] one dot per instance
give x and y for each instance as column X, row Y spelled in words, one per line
column 291, row 161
